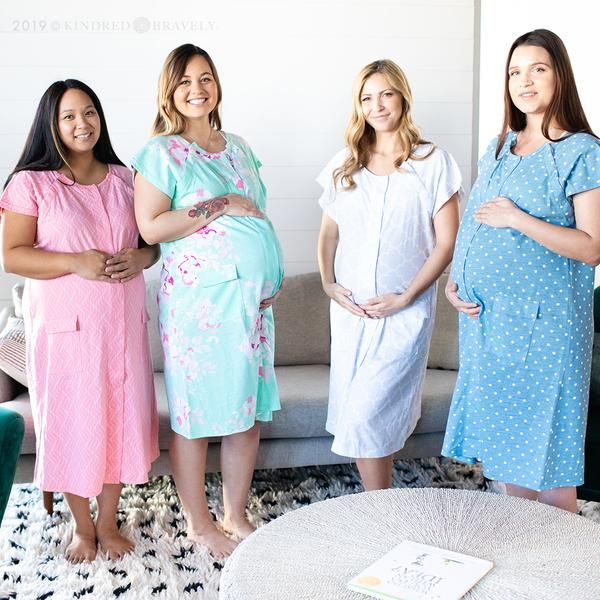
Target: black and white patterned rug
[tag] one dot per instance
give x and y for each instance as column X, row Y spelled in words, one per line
column 165, row 565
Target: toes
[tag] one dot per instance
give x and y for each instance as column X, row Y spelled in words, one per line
column 117, row 549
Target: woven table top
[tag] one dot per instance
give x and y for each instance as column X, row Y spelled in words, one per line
column 539, row 552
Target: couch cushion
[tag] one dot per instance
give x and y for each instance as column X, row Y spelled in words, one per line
column 302, row 322
column 12, row 338
column 437, row 394
column 152, row 287
column 304, row 391
column 304, row 394
column 8, row 387
column 12, row 349
column 17, row 298
column 443, row 353
column 164, row 423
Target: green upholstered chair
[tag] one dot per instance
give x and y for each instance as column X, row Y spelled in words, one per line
column 12, row 428
column 590, row 490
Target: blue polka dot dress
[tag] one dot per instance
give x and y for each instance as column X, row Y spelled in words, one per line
column 520, row 403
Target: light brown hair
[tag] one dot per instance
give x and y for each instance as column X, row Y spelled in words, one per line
column 360, row 136
column 168, row 119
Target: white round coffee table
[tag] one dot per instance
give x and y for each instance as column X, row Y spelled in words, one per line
column 539, row 552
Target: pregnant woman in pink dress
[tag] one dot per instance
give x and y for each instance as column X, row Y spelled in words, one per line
column 68, row 228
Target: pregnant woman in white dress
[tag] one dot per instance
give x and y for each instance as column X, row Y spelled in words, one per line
column 390, row 216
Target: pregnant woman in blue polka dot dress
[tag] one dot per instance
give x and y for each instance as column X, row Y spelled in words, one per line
column 522, row 278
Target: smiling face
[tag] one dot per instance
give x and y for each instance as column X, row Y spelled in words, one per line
column 78, row 122
column 196, row 95
column 531, row 79
column 381, row 104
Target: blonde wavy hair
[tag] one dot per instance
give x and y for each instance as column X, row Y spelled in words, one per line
column 360, row 136
column 168, row 119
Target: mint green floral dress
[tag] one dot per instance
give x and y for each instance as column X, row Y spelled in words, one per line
column 218, row 346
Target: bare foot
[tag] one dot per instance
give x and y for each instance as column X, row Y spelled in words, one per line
column 83, row 547
column 218, row 544
column 240, row 527
column 111, row 541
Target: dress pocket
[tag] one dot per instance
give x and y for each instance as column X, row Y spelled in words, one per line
column 511, row 322
column 64, row 346
column 223, row 275
column 224, row 289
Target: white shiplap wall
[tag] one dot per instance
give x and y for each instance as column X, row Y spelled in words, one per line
column 286, row 66
column 576, row 26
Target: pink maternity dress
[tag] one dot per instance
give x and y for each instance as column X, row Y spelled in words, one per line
column 89, row 368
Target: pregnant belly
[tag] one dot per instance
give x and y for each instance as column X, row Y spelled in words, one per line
column 240, row 248
column 503, row 260
column 259, row 258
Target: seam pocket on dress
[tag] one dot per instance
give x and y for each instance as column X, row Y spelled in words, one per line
column 64, row 346
column 223, row 287
column 511, row 322
column 225, row 273
column 61, row 325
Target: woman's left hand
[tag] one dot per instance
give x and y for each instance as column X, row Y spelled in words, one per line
column 270, row 301
column 385, row 306
column 129, row 263
column 499, row 212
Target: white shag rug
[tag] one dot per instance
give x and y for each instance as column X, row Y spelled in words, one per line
column 165, row 565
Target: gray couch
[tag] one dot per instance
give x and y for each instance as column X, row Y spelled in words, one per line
column 297, row 435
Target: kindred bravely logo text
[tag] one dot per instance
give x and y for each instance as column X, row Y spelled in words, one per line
column 136, row 25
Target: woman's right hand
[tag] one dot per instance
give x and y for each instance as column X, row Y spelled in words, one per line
column 91, row 264
column 240, row 206
column 472, row 309
column 343, row 297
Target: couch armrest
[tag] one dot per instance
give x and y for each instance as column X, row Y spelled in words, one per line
column 9, row 388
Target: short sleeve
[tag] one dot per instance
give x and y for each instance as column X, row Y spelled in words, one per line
column 446, row 179
column 325, row 180
column 578, row 161
column 252, row 157
column 256, row 186
column 489, row 153
column 160, row 161
column 20, row 195
column 257, row 162
column 243, row 145
column 124, row 175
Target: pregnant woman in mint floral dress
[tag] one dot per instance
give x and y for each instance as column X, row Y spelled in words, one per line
column 199, row 193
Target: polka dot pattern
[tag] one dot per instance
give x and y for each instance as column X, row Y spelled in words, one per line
column 520, row 403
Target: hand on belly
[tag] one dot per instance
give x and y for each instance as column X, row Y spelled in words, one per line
column 270, row 299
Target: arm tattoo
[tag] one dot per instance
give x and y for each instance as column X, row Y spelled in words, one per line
column 208, row 207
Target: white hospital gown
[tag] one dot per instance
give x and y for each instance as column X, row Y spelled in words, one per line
column 385, row 235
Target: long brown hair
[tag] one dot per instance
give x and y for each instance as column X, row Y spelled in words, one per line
column 565, row 108
column 168, row 119
column 44, row 150
column 360, row 136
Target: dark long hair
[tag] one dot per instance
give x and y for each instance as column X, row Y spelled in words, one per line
column 565, row 108
column 43, row 149
column 168, row 120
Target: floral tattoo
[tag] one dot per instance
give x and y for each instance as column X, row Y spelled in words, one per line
column 208, row 207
